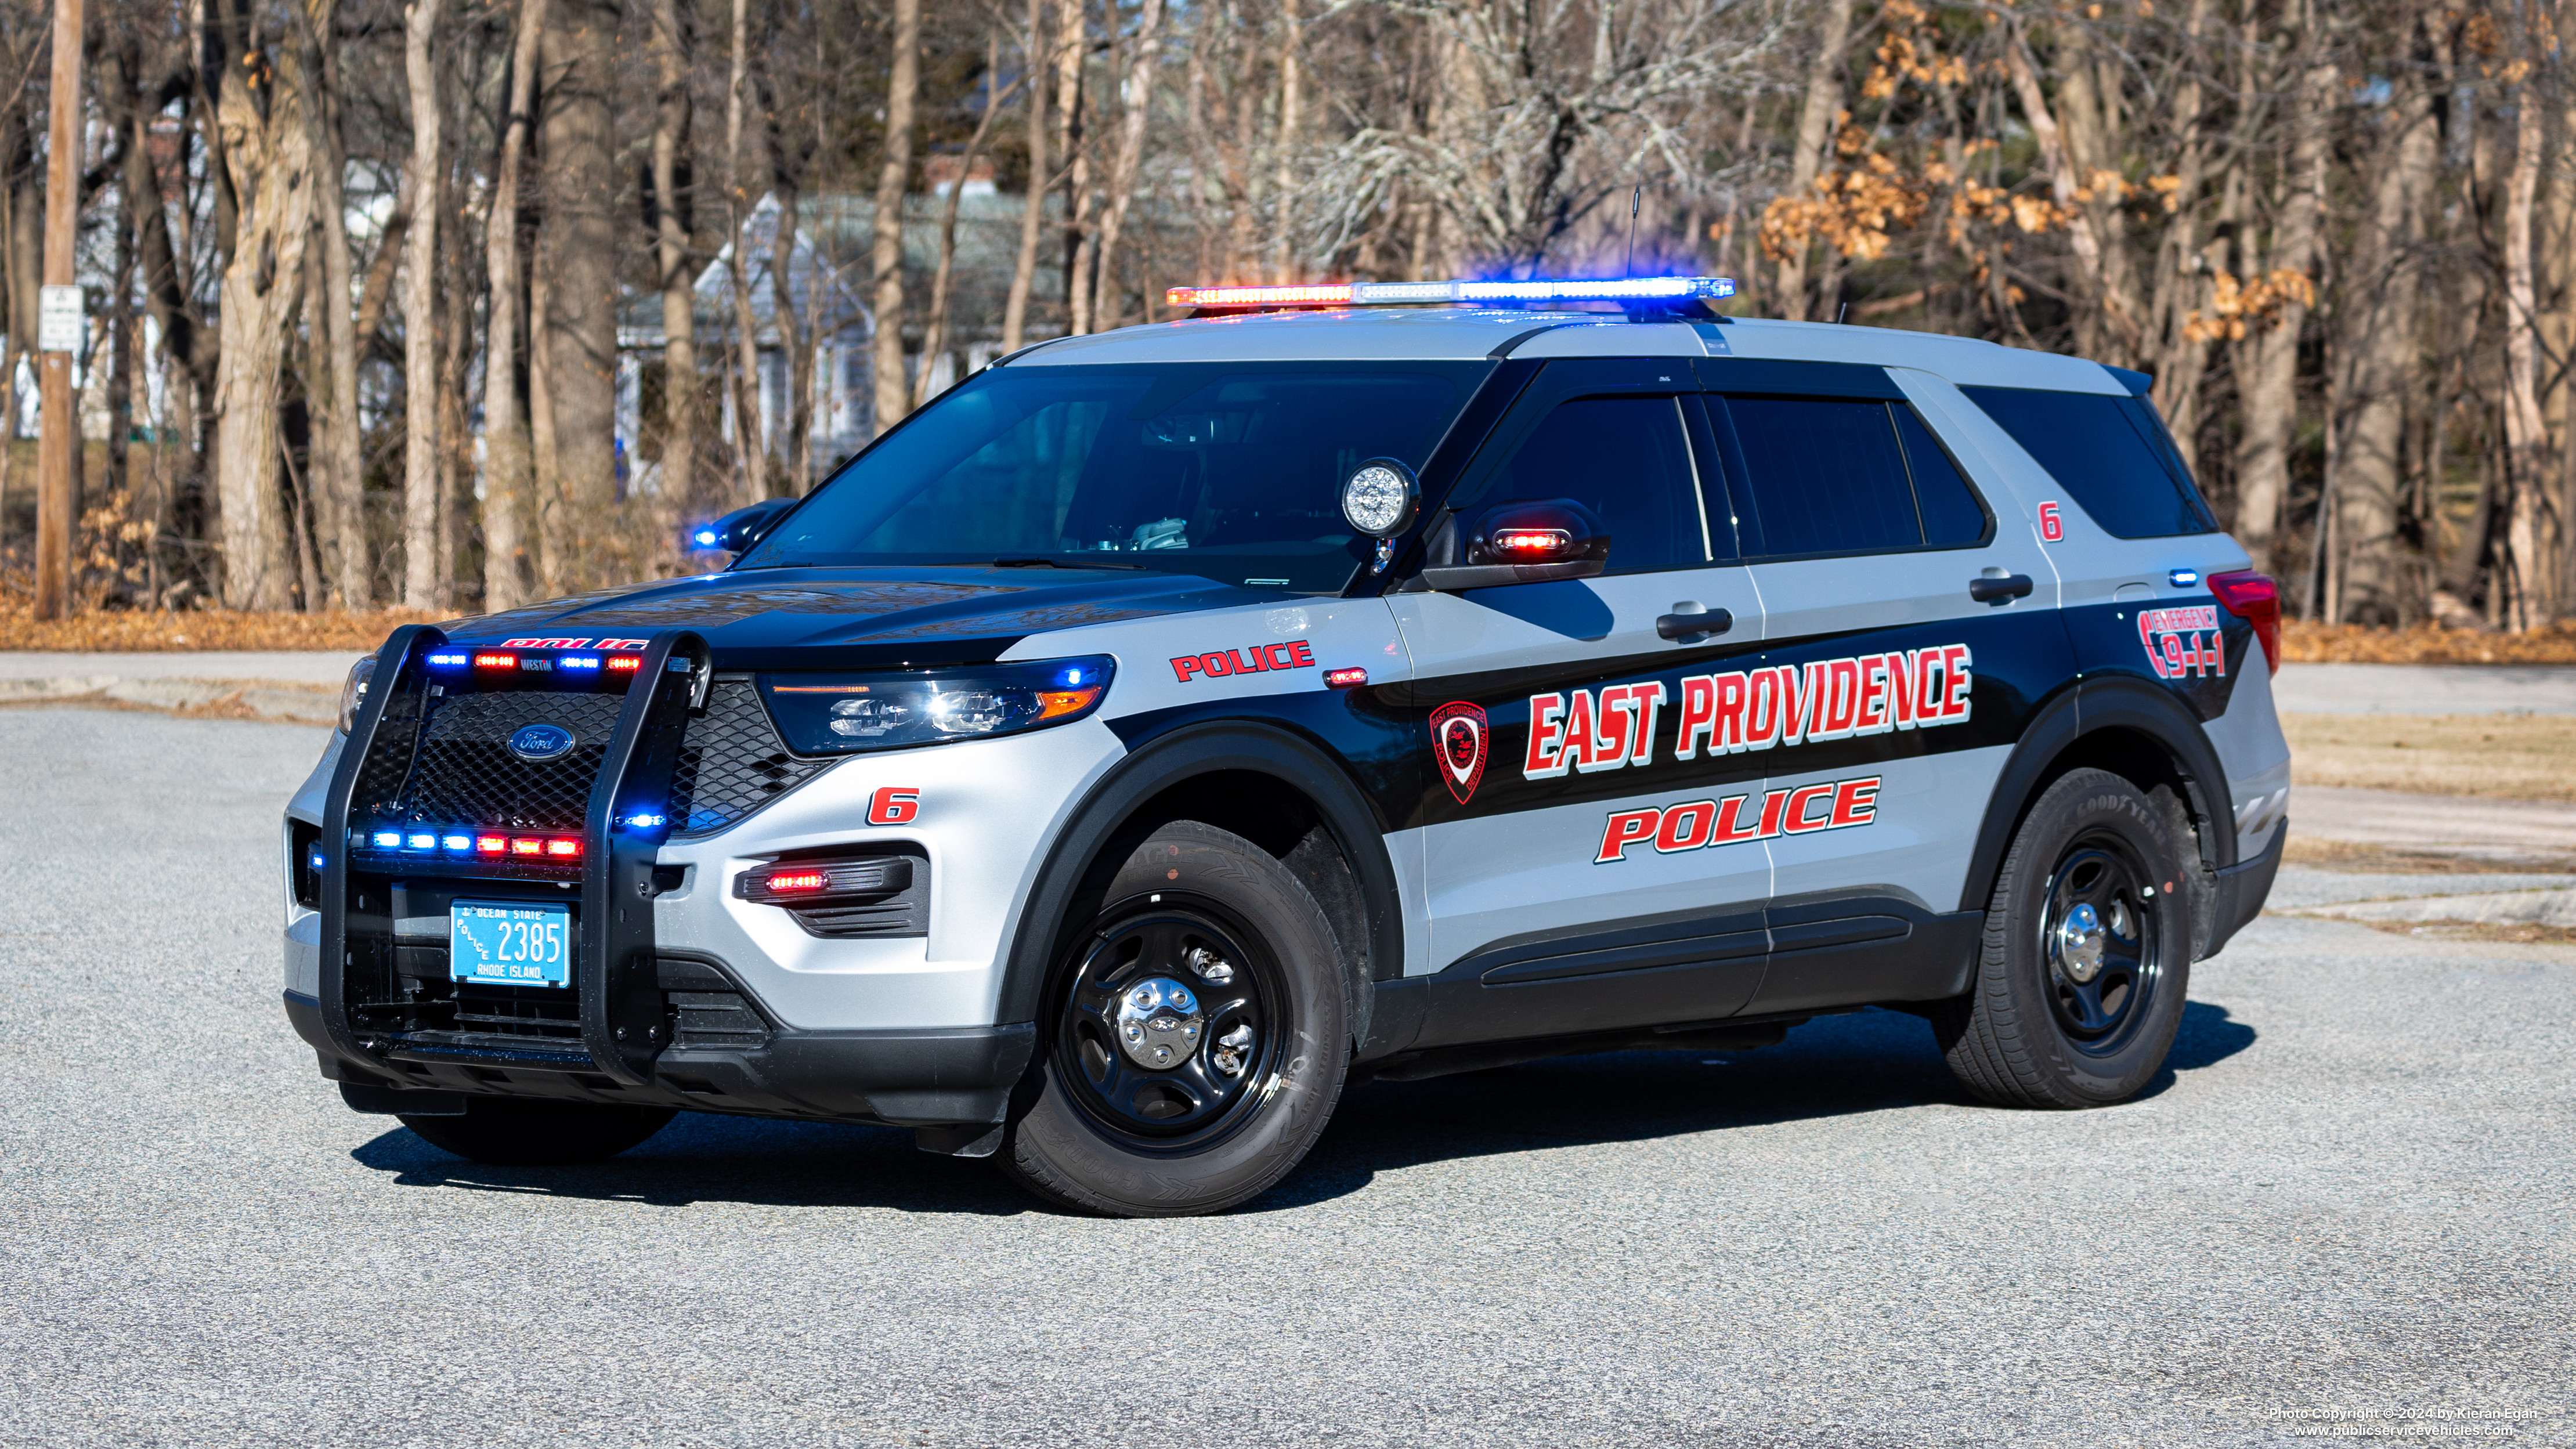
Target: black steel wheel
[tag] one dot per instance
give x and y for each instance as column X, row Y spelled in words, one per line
column 2087, row 951
column 1194, row 1037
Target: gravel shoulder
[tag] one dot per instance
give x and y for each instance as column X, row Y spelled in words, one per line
column 2351, row 1195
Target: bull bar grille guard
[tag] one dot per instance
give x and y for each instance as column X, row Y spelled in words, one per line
column 614, row 970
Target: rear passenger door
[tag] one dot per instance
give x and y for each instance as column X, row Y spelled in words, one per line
column 1547, row 710
column 1887, row 694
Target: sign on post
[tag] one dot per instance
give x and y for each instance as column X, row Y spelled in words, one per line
column 60, row 325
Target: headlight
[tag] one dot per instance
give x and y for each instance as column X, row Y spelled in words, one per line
column 354, row 693
column 840, row 714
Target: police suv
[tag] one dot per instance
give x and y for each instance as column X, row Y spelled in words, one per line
column 1167, row 728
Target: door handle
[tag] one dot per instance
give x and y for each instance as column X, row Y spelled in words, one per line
column 1997, row 590
column 1684, row 626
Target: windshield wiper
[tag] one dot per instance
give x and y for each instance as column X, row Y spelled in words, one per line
column 1048, row 563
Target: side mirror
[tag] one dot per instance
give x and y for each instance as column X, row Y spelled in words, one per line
column 1525, row 542
column 737, row 531
column 1379, row 500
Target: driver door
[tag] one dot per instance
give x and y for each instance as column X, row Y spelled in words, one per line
column 1557, row 898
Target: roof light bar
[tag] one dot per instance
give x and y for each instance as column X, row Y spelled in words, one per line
column 1382, row 294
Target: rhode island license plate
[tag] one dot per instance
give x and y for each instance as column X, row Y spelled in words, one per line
column 509, row 944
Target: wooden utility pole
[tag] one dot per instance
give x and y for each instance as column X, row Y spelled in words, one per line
column 60, row 430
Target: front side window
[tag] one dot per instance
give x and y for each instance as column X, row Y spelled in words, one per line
column 1834, row 476
column 1232, row 472
column 1625, row 459
column 2111, row 455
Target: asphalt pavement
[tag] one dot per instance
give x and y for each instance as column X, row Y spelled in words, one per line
column 2345, row 1209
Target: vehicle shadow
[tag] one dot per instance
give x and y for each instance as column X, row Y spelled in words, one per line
column 1871, row 1061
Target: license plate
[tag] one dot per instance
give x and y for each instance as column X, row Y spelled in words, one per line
column 497, row 944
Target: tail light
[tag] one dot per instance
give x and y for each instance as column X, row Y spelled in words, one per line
column 2256, row 599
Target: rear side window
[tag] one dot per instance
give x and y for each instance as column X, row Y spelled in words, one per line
column 2110, row 454
column 1625, row 459
column 1827, row 476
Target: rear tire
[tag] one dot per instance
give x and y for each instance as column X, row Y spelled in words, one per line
column 1192, row 1042
column 519, row 1132
column 2087, row 951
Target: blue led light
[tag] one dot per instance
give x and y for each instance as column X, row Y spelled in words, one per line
column 579, row 661
column 423, row 840
column 647, row 821
column 2184, row 578
column 458, row 842
column 450, row 661
column 388, row 840
column 1073, row 676
column 706, row 538
column 318, row 861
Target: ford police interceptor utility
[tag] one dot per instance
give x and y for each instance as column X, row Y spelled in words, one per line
column 1166, row 728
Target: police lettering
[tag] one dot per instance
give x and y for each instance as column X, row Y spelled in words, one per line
column 1750, row 709
column 1699, row 824
column 1255, row 660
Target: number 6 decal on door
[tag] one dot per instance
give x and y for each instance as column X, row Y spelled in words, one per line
column 2052, row 525
column 893, row 805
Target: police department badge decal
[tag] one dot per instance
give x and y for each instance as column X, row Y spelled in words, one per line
column 1458, row 737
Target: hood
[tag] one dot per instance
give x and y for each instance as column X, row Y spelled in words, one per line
column 848, row 618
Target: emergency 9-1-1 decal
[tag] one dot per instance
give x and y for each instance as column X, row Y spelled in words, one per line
column 1739, row 820
column 1588, row 731
column 2183, row 641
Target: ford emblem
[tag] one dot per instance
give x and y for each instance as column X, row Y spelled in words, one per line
column 540, row 742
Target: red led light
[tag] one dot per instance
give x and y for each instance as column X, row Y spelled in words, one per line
column 801, row 880
column 1345, row 678
column 490, row 844
column 1532, row 540
column 563, row 847
column 625, row 661
column 1325, row 293
column 496, row 661
column 526, row 845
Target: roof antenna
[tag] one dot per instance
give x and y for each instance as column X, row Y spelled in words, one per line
column 1841, row 312
column 1636, row 199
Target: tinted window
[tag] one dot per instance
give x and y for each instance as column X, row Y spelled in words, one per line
column 1229, row 472
column 1952, row 517
column 1623, row 458
column 2110, row 454
column 1820, row 476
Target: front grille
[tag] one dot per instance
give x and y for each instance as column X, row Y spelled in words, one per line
column 462, row 772
column 534, row 1013
column 706, row 1010
column 732, row 761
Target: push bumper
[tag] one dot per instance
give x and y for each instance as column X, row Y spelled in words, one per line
column 933, row 1077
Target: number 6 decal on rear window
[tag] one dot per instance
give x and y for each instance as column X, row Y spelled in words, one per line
column 2052, row 525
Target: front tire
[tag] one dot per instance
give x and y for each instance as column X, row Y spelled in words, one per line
column 520, row 1132
column 1193, row 1041
column 2087, row 951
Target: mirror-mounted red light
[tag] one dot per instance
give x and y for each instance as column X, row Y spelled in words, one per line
column 1533, row 545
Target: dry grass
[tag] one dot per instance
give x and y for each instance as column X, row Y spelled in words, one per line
column 2353, row 856
column 127, row 631
column 2308, row 643
column 2526, row 934
column 2496, row 756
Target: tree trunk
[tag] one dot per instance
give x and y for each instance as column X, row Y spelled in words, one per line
column 577, row 253
column 934, row 331
column 2531, row 531
column 1073, row 25
column 1131, row 154
column 507, row 569
column 680, row 485
column 2267, row 396
column 334, row 473
column 425, row 558
column 1815, row 133
column 1024, row 267
column 903, row 88
column 2379, row 321
column 267, row 150
column 1292, row 105
column 796, row 340
column 751, row 454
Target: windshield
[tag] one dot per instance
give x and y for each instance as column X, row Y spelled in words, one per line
column 1232, row 471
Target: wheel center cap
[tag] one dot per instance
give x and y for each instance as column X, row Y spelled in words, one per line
column 2079, row 944
column 1159, row 1023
